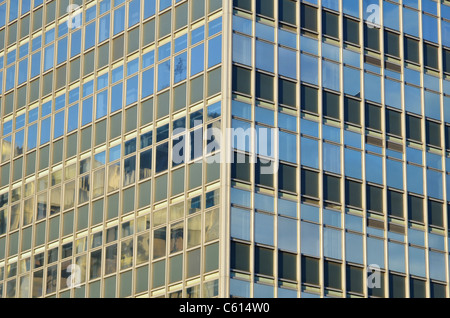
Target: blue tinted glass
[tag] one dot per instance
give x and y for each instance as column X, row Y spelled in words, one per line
column 87, row 111
column 375, row 252
column 105, row 5
column 287, row 62
column 264, row 228
column 309, row 152
column 114, row 153
column 72, row 122
column 240, row 197
column 180, row 43
column 35, row 64
column 396, row 254
column 49, row 36
column 374, row 169
column 32, row 136
column 288, row 208
column 102, row 81
column 197, row 59
column 45, row 130
column 89, row 39
column 332, row 218
column 180, row 69
column 351, row 7
column 23, row 71
column 412, row 76
column 59, row 125
column 10, row 77
column 242, row 49
column 287, row 38
column 332, row 158
column 197, row 35
column 309, row 69
column 352, row 139
column 214, row 51
column 242, row 25
column 117, row 74
column 46, row 109
column 353, row 166
column 60, row 101
column 309, row 45
column 116, row 97
column 287, row 228
column 74, row 95
column 33, row 114
column 331, row 133
column 414, row 155
column 91, row 13
column 20, row 121
column 434, row 184
column 410, row 21
column 430, row 28
column 147, row 82
column 414, row 178
column 286, row 121
column 437, row 265
column 104, row 24
column 309, row 128
column 264, row 115
column 287, row 147
column 241, row 109
column 132, row 89
column 148, row 59
column 394, row 174
column 62, row 50
column 413, row 99
column 434, row 161
column 240, row 224
column 164, row 75
column 332, row 243
column 265, row 32
column 75, row 47
column 7, row 127
column 163, row 4
column 102, row 104
column 164, row 51
column 149, row 8
column 354, row 248
column 88, row 88
column 134, row 12
column 265, row 56
column 310, row 239
column 23, row 51
column 132, row 67
column 215, row 26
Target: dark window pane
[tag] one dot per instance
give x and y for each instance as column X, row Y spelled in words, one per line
column 310, row 270
column 352, row 110
column 331, row 105
column 241, row 80
column 309, row 17
column 351, row 31
column 261, row 172
column 243, row 4
column 332, row 188
column 395, row 203
column 396, row 286
column 371, row 38
column 287, row 93
column 437, row 290
column 430, row 55
column 446, row 59
column 330, row 24
column 310, row 183
column 264, row 7
column 417, row 288
column 374, row 198
column 263, row 261
column 433, row 134
column 378, row 292
column 355, row 279
column 393, row 122
column 353, row 193
column 287, row 178
column 287, row 11
column 373, row 116
column 435, row 215
column 447, row 137
column 413, row 128
column 415, row 208
column 240, row 168
column 287, row 266
column 264, row 86
column 391, row 45
column 332, row 275
column 411, row 50
column 309, row 99
column 240, row 256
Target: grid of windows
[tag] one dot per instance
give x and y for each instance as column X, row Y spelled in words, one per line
column 361, row 108
column 88, row 177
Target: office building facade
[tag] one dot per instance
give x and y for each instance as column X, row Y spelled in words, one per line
column 204, row 148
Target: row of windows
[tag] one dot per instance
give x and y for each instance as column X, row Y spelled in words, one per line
column 310, row 269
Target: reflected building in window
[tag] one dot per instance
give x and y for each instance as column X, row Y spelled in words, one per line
column 113, row 184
